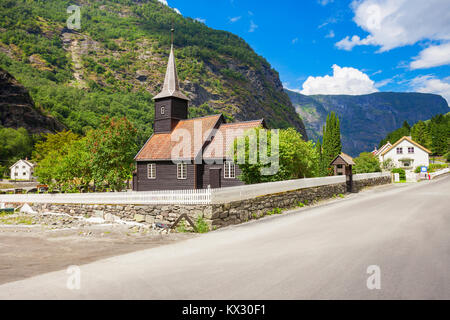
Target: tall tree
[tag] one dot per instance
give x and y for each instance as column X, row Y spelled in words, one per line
column 113, row 147
column 332, row 145
column 421, row 134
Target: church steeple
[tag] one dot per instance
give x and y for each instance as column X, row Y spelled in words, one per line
column 171, row 86
column 171, row 105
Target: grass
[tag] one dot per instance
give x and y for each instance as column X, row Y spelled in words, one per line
column 16, row 220
column 6, row 186
column 201, row 226
column 341, row 195
column 274, row 211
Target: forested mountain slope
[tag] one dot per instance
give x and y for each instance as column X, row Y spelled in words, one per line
column 366, row 119
column 115, row 63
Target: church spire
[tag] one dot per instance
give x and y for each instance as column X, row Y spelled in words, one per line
column 171, row 87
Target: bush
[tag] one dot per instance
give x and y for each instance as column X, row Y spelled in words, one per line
column 201, row 226
column 401, row 172
column 367, row 163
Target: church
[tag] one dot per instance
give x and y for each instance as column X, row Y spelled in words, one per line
column 205, row 162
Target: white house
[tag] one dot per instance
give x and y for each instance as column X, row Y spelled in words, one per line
column 23, row 170
column 378, row 152
column 407, row 154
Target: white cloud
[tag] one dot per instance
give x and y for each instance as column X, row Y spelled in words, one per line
column 164, row 2
column 200, row 20
column 431, row 84
column 324, row 2
column 235, row 19
column 432, row 56
column 330, row 34
column 253, row 26
column 344, row 80
column 294, row 41
column 396, row 23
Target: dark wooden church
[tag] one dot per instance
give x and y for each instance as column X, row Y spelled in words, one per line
column 206, row 162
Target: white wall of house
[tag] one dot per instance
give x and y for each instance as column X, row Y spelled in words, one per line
column 22, row 170
column 418, row 157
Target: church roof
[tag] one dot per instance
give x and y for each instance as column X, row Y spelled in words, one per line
column 159, row 146
column 225, row 136
column 171, row 87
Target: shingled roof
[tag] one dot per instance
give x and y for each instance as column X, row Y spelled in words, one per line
column 225, row 136
column 159, row 146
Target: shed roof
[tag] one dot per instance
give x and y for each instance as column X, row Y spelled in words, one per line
column 345, row 157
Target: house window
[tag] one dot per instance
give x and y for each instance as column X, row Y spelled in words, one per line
column 406, row 164
column 339, row 166
column 399, row 150
column 181, row 171
column 16, row 174
column 411, row 150
column 151, row 170
column 163, row 110
column 24, row 174
column 229, row 170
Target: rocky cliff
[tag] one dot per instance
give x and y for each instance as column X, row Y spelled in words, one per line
column 17, row 108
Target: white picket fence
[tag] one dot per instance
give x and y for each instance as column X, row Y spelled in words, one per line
column 152, row 197
column 204, row 196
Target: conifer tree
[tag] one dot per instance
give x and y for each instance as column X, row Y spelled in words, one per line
column 332, row 145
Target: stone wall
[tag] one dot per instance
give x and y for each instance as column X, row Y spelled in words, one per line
column 216, row 215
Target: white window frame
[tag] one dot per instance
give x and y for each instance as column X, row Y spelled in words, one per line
column 182, row 171
column 163, row 110
column 229, row 170
column 151, row 171
column 413, row 150
column 399, row 150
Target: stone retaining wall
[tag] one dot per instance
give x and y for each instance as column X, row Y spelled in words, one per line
column 216, row 215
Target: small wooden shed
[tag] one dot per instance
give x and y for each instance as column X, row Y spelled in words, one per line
column 343, row 164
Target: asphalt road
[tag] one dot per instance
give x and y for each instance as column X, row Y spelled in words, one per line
column 314, row 253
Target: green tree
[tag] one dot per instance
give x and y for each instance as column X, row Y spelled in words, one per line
column 52, row 142
column 366, row 163
column 332, row 145
column 296, row 158
column 15, row 144
column 112, row 148
column 421, row 134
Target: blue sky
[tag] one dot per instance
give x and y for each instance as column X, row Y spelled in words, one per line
column 341, row 47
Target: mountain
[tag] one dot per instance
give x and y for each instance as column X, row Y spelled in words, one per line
column 366, row 119
column 114, row 64
column 17, row 109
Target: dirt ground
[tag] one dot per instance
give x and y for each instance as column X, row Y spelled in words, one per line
column 29, row 250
